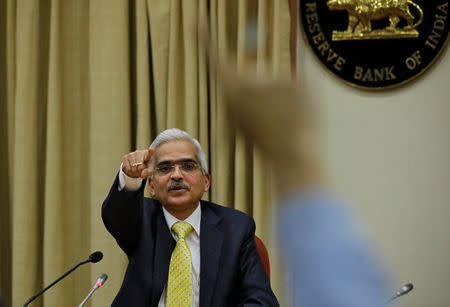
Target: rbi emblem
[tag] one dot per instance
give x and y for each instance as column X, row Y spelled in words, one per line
column 376, row 44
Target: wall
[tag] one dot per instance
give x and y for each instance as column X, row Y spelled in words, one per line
column 389, row 153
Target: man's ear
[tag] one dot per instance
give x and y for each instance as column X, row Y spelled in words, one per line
column 151, row 186
column 207, row 182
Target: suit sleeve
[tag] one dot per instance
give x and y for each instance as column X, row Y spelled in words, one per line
column 122, row 215
column 255, row 287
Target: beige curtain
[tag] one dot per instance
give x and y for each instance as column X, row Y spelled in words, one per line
column 84, row 82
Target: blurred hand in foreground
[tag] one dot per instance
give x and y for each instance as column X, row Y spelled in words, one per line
column 277, row 115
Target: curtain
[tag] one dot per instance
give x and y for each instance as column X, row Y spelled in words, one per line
column 84, row 82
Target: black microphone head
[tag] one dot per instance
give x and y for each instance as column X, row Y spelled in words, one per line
column 95, row 257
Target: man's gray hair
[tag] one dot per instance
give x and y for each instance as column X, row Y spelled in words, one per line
column 175, row 134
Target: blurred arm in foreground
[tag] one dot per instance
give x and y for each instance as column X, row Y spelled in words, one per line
column 331, row 262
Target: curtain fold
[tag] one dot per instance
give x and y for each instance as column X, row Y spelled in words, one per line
column 28, row 145
column 65, row 187
column 7, row 19
column 85, row 82
column 110, row 126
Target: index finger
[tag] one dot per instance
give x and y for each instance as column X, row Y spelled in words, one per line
column 148, row 155
column 147, row 172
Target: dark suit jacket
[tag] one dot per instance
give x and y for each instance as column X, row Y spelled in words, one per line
column 231, row 272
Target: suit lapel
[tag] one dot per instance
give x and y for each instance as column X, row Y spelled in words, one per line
column 164, row 246
column 211, row 239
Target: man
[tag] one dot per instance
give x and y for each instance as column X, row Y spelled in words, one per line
column 216, row 246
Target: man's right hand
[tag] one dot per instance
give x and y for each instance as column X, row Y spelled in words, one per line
column 138, row 164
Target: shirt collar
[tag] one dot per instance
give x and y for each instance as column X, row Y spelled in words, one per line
column 193, row 219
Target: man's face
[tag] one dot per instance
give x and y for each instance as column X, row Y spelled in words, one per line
column 181, row 189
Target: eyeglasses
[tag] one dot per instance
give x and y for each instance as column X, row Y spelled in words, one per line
column 185, row 166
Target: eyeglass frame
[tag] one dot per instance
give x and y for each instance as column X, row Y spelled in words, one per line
column 173, row 164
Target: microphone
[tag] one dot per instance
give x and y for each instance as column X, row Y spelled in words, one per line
column 403, row 290
column 94, row 257
column 100, row 281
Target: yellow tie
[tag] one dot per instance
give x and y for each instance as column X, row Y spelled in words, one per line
column 179, row 285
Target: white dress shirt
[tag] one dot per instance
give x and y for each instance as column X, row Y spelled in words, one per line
column 192, row 239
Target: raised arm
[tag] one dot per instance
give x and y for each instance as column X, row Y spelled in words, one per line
column 122, row 208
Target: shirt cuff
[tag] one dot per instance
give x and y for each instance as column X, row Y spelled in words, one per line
column 128, row 183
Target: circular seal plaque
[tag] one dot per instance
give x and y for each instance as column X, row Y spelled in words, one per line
column 376, row 44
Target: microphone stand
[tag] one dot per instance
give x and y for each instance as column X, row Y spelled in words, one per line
column 87, row 297
column 49, row 286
